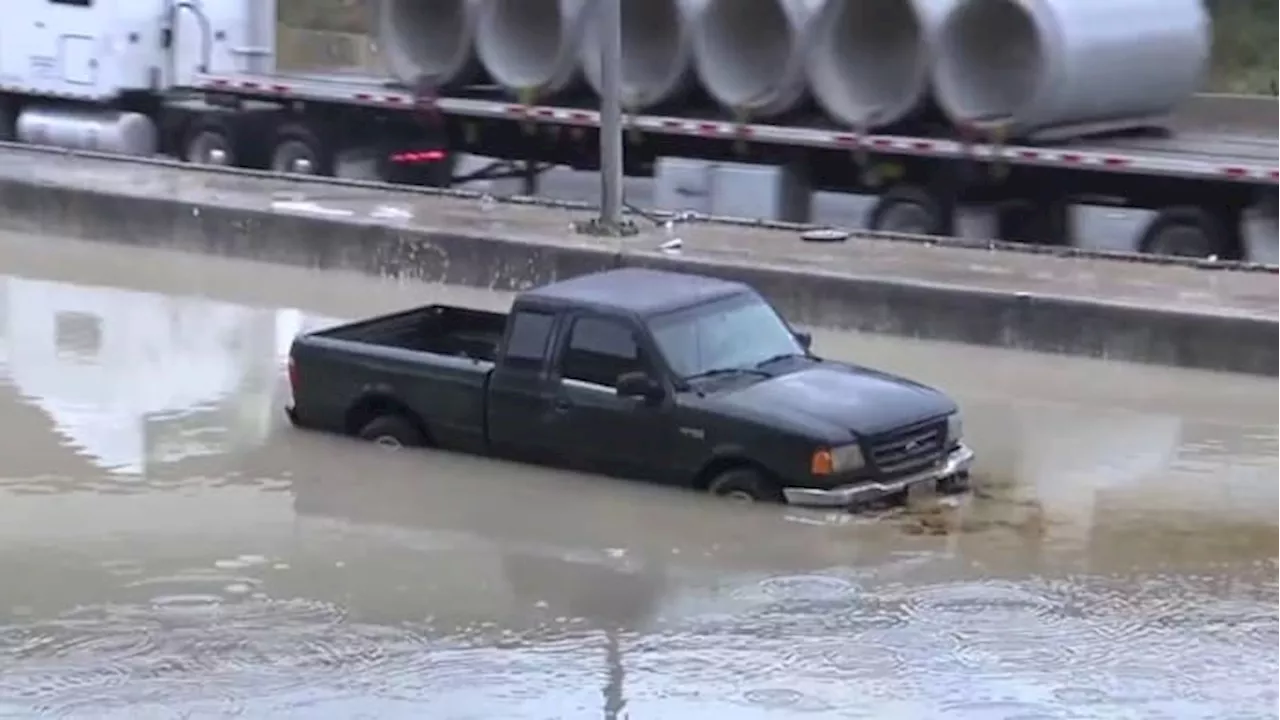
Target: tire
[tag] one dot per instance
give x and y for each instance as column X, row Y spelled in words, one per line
column 210, row 143
column 909, row 210
column 1187, row 232
column 393, row 432
column 294, row 144
column 745, row 484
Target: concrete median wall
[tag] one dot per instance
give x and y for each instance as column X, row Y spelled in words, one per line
column 1015, row 320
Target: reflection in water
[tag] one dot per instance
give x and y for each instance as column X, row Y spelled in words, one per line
column 1119, row 561
column 136, row 380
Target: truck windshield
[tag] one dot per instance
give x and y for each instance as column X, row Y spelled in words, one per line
column 737, row 332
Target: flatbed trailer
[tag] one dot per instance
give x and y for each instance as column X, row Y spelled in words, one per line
column 1214, row 193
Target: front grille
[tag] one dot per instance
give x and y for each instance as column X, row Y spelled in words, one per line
column 909, row 448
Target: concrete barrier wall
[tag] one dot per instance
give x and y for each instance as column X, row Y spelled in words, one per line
column 1096, row 329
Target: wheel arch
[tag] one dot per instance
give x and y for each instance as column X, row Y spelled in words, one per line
column 375, row 404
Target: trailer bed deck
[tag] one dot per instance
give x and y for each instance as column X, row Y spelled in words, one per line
column 1246, row 153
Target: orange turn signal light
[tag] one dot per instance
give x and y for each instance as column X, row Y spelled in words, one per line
column 822, row 463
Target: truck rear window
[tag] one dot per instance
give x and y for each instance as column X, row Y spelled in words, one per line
column 530, row 333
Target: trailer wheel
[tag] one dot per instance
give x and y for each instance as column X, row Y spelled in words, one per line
column 393, row 432
column 300, row 151
column 909, row 210
column 210, row 143
column 1187, row 231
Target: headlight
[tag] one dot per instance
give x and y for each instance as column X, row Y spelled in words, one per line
column 955, row 429
column 841, row 459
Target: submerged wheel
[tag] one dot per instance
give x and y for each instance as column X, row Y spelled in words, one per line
column 745, row 484
column 393, row 432
column 909, row 210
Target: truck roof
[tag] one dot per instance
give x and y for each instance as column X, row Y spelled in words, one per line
column 636, row 290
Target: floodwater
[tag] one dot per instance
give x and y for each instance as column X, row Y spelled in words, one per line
column 170, row 548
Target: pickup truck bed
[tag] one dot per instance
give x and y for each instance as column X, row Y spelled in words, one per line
column 437, row 357
column 436, row 329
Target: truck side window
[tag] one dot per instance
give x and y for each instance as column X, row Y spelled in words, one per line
column 530, row 334
column 599, row 351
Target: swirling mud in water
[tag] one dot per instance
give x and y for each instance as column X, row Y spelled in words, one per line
column 170, row 549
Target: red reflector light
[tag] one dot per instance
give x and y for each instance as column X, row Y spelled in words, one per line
column 428, row 156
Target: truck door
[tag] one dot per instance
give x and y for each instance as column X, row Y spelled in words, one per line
column 521, row 396
column 597, row 429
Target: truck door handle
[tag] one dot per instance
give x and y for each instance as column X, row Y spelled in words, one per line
column 562, row 405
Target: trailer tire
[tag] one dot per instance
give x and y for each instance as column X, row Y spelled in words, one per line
column 1187, row 231
column 909, row 210
column 295, row 142
column 210, row 142
column 393, row 432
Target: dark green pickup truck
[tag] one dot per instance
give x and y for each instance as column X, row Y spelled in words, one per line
column 675, row 378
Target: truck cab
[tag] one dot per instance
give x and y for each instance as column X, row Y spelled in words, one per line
column 666, row 377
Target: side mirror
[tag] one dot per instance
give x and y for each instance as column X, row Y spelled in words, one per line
column 804, row 338
column 638, row 385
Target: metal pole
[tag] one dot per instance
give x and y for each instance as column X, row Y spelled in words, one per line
column 609, row 18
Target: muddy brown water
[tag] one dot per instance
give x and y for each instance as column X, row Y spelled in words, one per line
column 170, row 548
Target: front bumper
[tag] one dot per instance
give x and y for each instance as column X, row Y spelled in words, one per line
column 956, row 462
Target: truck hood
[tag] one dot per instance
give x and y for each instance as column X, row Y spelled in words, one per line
column 840, row 399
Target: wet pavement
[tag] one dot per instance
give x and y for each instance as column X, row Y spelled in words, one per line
column 1177, row 288
column 170, row 548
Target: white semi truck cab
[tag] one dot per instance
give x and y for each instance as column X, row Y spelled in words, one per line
column 134, row 77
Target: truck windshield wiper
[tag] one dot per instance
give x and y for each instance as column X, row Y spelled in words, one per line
column 780, row 356
column 720, row 372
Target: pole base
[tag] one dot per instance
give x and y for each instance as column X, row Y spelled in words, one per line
column 600, row 227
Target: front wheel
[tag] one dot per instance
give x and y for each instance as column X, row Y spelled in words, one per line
column 393, row 432
column 745, row 484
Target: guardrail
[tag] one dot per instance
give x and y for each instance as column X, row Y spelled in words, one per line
column 658, row 217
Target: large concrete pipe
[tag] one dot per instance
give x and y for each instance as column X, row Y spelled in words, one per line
column 657, row 54
column 531, row 46
column 1068, row 66
column 429, row 39
column 869, row 62
column 750, row 54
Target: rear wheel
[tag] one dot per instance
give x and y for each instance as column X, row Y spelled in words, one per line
column 1187, row 232
column 211, row 143
column 745, row 484
column 393, row 432
column 300, row 151
column 910, row 210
